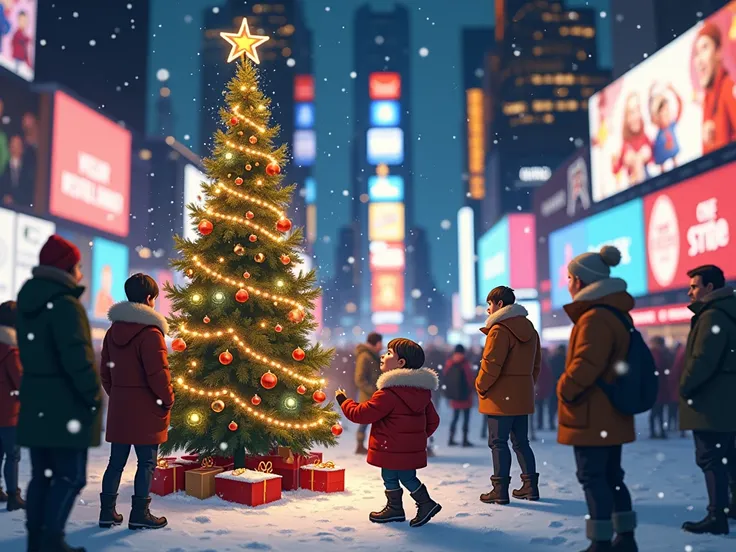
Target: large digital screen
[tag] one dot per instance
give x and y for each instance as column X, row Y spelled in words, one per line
column 18, row 37
column 384, row 86
column 385, row 145
column 493, row 259
column 20, row 133
column 30, row 235
column 310, row 190
column 109, row 272
column 7, row 254
column 90, row 168
column 305, row 147
column 475, row 102
column 564, row 245
column 522, row 262
column 386, row 222
column 304, row 115
column 386, row 188
column 385, row 113
column 689, row 225
column 304, row 88
column 193, row 179
column 387, row 256
column 387, row 291
column 672, row 108
column 84, row 244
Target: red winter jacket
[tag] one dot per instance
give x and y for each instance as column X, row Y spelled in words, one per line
column 135, row 375
column 10, row 374
column 663, row 363
column 470, row 378
column 678, row 366
column 402, row 417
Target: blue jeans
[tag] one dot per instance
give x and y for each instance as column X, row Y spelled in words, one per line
column 57, row 477
column 408, row 479
column 11, row 452
column 147, row 455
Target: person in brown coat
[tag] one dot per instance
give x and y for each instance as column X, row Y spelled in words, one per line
column 135, row 375
column 10, row 375
column 367, row 372
column 505, row 385
column 599, row 345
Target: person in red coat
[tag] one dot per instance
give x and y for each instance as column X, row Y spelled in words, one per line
column 402, row 418
column 663, row 362
column 458, row 361
column 135, row 375
column 10, row 374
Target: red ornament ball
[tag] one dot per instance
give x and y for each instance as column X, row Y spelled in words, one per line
column 179, row 345
column 278, row 328
column 226, row 358
column 241, row 296
column 269, row 380
column 296, row 315
column 238, row 181
column 253, row 139
column 253, row 238
column 232, row 426
column 259, row 257
column 285, row 259
column 249, row 215
column 319, row 396
column 298, row 354
column 205, row 227
column 272, row 169
column 248, row 167
column 336, row 430
column 246, row 275
column 234, row 121
column 255, row 400
column 283, row 225
column 206, row 320
column 301, row 389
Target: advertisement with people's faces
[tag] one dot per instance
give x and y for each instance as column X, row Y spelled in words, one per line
column 18, row 37
column 109, row 272
column 674, row 107
column 84, row 244
column 19, row 142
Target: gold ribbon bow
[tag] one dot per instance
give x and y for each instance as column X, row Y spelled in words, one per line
column 239, row 471
column 327, row 465
column 265, row 467
column 162, row 463
column 208, row 462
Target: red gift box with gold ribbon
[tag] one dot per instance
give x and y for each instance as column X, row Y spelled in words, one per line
column 285, row 464
column 323, row 477
column 249, row 487
column 168, row 477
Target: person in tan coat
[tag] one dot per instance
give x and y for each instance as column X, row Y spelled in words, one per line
column 599, row 345
column 505, row 385
column 367, row 372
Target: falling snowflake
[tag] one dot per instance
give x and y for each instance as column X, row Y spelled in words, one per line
column 604, row 434
column 621, row 368
column 660, row 494
column 49, row 305
column 291, row 62
column 688, row 548
column 416, row 293
column 31, row 337
column 111, row 364
column 159, row 402
column 163, row 74
column 445, row 224
column 48, row 473
column 73, row 426
column 423, row 52
column 223, row 446
column 92, row 42
column 660, row 457
column 716, row 329
column 353, row 74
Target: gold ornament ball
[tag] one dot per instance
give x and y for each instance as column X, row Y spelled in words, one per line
column 239, row 250
column 248, row 167
column 259, row 258
column 217, row 406
column 253, row 139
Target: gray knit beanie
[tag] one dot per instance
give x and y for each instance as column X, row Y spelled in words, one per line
column 592, row 267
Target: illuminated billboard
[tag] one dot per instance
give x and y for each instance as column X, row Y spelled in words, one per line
column 305, row 147
column 7, row 254
column 18, row 37
column 30, row 235
column 672, row 108
column 386, row 222
column 193, row 179
column 386, row 188
column 384, row 86
column 387, row 256
column 385, row 145
column 476, row 143
column 304, row 115
column 387, row 291
column 304, row 88
column 466, row 261
column 310, row 190
column 90, row 168
column 385, row 113
column 109, row 272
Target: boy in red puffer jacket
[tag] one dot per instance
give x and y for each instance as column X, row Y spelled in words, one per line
column 403, row 418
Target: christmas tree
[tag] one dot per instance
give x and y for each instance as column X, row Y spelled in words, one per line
column 245, row 377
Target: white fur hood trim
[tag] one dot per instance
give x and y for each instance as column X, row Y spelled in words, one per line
column 503, row 313
column 599, row 289
column 137, row 313
column 423, row 378
column 8, row 336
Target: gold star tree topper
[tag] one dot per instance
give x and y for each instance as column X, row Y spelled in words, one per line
column 243, row 42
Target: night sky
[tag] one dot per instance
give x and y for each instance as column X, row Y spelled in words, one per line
column 437, row 103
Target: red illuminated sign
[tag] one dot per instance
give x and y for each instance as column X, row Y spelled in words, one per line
column 387, row 291
column 304, row 88
column 659, row 316
column 688, row 226
column 522, row 245
column 384, row 86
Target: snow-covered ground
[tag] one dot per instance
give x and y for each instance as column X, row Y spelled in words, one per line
column 664, row 480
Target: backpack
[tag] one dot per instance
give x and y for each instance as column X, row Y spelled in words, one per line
column 634, row 391
column 455, row 384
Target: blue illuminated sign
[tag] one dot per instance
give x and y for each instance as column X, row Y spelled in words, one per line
column 385, row 145
column 304, row 115
column 310, row 190
column 305, row 147
column 386, row 188
column 385, row 113
column 493, row 259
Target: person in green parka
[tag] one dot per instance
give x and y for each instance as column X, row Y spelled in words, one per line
column 60, row 392
column 707, row 391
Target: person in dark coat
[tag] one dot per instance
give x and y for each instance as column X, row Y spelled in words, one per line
column 458, row 361
column 588, row 421
column 135, row 375
column 403, row 418
column 60, row 392
column 707, row 391
column 544, row 392
column 678, row 366
column 557, row 367
column 10, row 376
column 367, row 372
column 663, row 362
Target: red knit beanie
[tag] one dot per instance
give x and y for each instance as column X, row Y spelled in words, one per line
column 59, row 253
column 712, row 31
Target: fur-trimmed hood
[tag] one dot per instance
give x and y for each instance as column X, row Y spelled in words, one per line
column 413, row 387
column 129, row 319
column 8, row 336
column 503, row 313
column 513, row 318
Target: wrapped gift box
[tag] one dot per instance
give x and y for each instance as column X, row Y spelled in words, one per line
column 170, row 477
column 248, row 487
column 289, row 471
column 323, row 479
column 200, row 482
column 226, row 463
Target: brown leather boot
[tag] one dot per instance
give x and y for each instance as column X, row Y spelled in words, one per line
column 500, row 492
column 393, row 511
